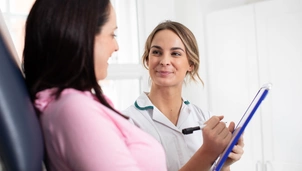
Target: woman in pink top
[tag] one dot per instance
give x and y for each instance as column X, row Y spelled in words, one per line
column 67, row 46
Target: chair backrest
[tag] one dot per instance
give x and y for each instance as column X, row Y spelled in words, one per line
column 21, row 140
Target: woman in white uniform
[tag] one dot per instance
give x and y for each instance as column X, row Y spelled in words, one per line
column 171, row 54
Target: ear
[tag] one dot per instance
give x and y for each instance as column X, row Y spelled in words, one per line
column 191, row 68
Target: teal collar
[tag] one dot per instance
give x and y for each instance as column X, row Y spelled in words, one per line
column 144, row 103
column 142, row 108
column 186, row 102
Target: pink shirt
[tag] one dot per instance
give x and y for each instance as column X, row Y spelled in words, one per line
column 83, row 135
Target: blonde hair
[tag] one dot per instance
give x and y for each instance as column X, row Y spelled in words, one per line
column 187, row 38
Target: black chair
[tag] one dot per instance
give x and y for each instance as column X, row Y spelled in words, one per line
column 21, row 140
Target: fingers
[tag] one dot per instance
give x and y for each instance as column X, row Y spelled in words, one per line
column 213, row 121
column 221, row 129
column 215, row 134
column 220, row 117
column 225, row 133
column 234, row 157
column 236, row 153
column 217, row 128
column 231, row 127
column 237, row 149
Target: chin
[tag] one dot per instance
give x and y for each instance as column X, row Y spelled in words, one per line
column 163, row 83
column 101, row 77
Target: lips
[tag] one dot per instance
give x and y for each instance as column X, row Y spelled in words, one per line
column 164, row 73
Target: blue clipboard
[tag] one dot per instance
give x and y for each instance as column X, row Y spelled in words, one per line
column 247, row 116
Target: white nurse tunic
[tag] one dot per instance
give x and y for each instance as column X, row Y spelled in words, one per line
column 179, row 148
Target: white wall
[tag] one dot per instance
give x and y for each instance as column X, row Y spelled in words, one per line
column 215, row 5
column 150, row 13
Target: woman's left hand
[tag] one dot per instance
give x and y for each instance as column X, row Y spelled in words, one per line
column 235, row 155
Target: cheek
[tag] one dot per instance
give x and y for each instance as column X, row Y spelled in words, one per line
column 100, row 60
column 97, row 58
column 152, row 62
column 99, row 53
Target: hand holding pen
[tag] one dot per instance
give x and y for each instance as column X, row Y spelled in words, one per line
column 216, row 135
column 190, row 130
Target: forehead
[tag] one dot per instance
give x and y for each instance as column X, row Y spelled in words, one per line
column 112, row 15
column 110, row 25
column 167, row 38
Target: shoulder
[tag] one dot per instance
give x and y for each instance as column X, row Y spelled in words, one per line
column 137, row 116
column 129, row 111
column 76, row 105
column 139, row 112
column 75, row 95
column 74, row 101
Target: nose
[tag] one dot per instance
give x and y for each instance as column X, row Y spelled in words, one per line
column 116, row 46
column 165, row 60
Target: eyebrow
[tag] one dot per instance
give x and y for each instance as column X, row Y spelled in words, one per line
column 173, row 48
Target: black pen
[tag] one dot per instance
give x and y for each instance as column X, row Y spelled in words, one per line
column 191, row 129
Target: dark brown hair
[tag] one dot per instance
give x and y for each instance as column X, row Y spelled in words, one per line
column 59, row 45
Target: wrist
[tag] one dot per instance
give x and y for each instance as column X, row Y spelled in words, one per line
column 207, row 155
column 202, row 154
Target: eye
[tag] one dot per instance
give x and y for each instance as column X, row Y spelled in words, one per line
column 155, row 52
column 176, row 54
column 114, row 34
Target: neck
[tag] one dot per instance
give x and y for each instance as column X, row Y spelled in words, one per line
column 168, row 101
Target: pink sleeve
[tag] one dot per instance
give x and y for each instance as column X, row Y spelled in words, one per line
column 88, row 139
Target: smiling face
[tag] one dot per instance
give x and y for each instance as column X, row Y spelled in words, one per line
column 104, row 45
column 167, row 59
